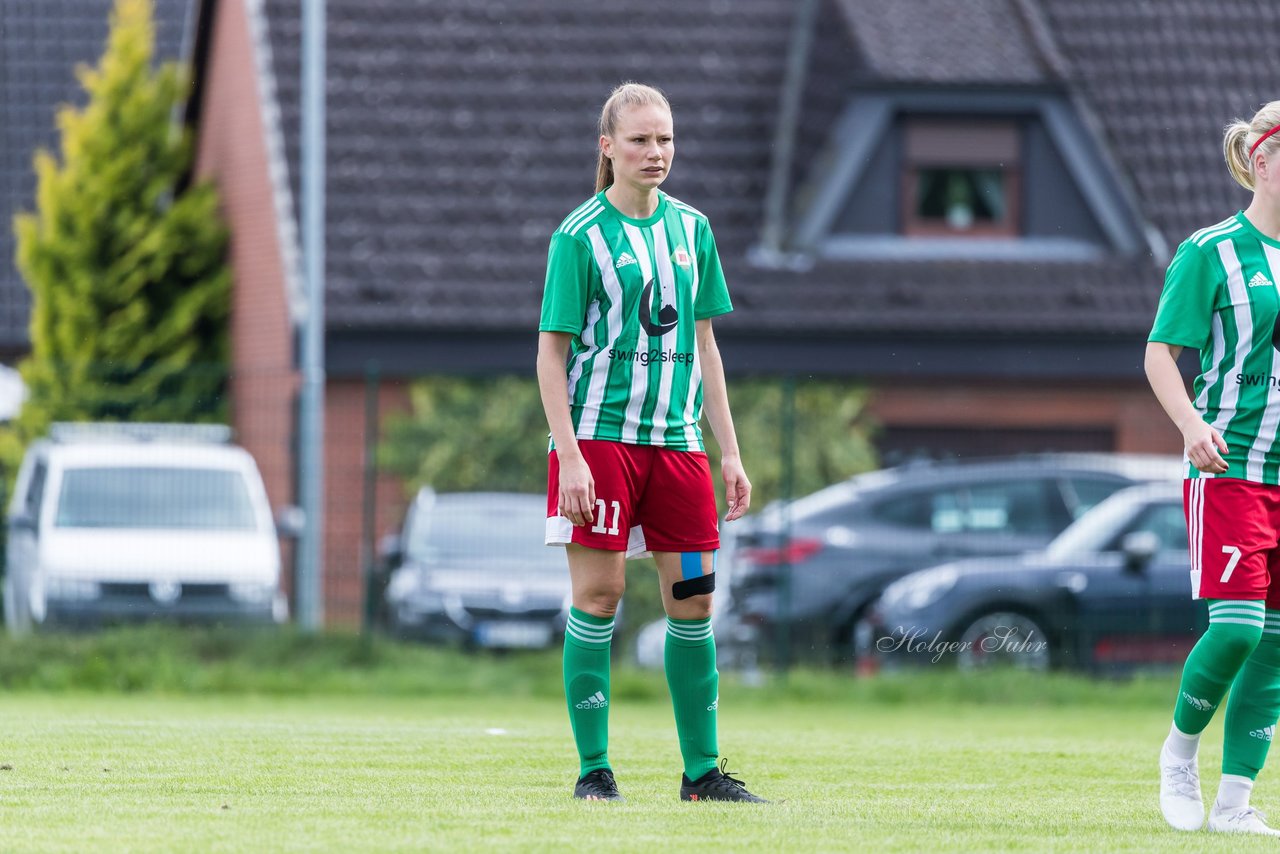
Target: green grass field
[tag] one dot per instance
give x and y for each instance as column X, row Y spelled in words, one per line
column 148, row 772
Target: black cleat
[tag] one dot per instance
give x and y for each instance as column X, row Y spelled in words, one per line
column 717, row 785
column 597, row 785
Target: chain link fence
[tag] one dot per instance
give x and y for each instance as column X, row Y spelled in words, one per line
column 862, row 550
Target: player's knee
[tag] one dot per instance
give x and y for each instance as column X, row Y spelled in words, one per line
column 601, row 600
column 1268, row 650
column 693, row 596
column 696, row 607
column 1235, row 640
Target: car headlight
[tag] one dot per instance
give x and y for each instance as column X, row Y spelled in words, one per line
column 71, row 589
column 920, row 589
column 252, row 593
column 413, row 592
column 401, row 585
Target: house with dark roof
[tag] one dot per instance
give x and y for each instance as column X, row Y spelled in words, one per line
column 967, row 206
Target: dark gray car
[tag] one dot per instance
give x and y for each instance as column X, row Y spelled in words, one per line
column 470, row 568
column 802, row 574
column 1112, row 592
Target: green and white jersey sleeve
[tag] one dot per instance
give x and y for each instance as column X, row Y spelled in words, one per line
column 571, row 278
column 1220, row 297
column 1193, row 291
column 630, row 291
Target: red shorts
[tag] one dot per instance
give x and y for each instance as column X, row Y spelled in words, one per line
column 647, row 499
column 1232, row 530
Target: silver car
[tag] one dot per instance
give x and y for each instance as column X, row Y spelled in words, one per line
column 470, row 568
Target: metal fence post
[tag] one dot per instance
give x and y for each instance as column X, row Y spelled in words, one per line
column 787, row 449
column 368, row 532
column 310, row 580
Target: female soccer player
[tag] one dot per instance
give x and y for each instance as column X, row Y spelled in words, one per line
column 626, row 361
column 1220, row 298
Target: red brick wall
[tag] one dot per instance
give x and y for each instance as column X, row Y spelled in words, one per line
column 346, row 436
column 1129, row 411
column 232, row 151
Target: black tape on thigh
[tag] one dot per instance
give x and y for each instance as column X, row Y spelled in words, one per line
column 694, row 586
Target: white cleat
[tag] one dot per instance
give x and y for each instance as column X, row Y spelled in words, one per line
column 1180, row 798
column 1241, row 820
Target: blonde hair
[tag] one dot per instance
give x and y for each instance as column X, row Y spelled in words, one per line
column 623, row 97
column 1240, row 136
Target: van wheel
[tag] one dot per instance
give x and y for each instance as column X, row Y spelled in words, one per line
column 1004, row 639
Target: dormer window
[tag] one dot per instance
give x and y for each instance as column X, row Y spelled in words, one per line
column 960, row 178
column 977, row 175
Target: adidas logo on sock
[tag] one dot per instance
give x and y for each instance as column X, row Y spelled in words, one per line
column 1266, row 733
column 715, row 704
column 625, row 259
column 1259, row 281
column 595, row 701
column 1196, row 702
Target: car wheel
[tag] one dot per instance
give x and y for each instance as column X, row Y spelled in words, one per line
column 1004, row 638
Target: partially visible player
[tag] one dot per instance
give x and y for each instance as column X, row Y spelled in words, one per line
column 1220, row 298
column 626, row 362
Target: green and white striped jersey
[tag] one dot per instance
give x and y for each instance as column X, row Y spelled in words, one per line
column 629, row 291
column 1220, row 298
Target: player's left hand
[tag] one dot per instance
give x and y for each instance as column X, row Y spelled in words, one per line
column 737, row 489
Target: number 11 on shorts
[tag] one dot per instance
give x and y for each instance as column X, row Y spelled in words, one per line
column 1234, row 551
column 599, row 528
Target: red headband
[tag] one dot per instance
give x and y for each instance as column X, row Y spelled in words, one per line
column 1262, row 139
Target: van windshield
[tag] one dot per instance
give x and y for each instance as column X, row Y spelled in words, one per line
column 179, row 498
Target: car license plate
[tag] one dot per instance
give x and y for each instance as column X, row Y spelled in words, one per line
column 513, row 634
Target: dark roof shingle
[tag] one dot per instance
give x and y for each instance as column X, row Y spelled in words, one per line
column 462, row 131
column 945, row 42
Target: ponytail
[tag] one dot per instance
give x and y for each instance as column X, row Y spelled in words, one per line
column 1236, row 151
column 604, row 172
column 1241, row 138
column 624, row 96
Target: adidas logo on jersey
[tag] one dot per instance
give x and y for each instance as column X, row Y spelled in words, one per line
column 1260, row 281
column 595, row 701
column 1196, row 702
column 625, row 259
column 715, row 704
column 1266, row 733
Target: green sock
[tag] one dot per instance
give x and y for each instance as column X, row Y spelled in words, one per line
column 1235, row 626
column 690, row 658
column 586, row 686
column 1253, row 706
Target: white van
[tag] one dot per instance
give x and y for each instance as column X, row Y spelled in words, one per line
column 127, row 522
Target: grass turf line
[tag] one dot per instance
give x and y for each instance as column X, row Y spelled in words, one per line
column 166, row 773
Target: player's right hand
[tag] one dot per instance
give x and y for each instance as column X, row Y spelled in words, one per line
column 577, row 491
column 1204, row 447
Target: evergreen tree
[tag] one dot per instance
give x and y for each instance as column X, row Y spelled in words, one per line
column 130, row 288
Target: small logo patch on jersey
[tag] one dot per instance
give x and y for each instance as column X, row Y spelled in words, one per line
column 1260, row 281
column 681, row 257
column 667, row 314
column 625, row 259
